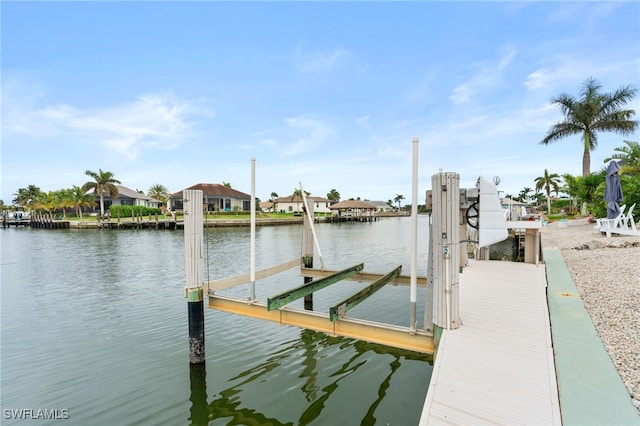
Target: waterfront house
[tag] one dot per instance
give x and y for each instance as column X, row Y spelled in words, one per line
column 294, row 203
column 126, row 197
column 381, row 206
column 266, row 207
column 216, row 198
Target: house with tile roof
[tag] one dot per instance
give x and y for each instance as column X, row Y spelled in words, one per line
column 215, row 198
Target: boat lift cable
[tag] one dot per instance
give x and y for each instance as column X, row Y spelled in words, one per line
column 313, row 229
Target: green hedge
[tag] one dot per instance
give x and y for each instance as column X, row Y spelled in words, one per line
column 129, row 211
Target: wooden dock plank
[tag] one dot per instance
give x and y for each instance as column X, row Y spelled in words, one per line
column 498, row 367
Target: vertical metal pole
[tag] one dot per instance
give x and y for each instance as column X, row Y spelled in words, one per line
column 446, row 238
column 414, row 239
column 193, row 230
column 252, row 297
column 428, row 303
column 307, row 249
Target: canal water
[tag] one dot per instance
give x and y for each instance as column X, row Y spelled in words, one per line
column 94, row 330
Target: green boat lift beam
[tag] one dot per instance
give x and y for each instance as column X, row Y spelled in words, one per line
column 340, row 310
column 282, row 299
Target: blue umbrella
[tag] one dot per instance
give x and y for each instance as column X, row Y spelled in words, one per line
column 613, row 190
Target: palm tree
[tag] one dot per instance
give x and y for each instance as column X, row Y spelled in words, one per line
column 65, row 200
column 572, row 188
column 274, row 201
column 548, row 181
column 592, row 112
column 333, row 195
column 103, row 182
column 48, row 202
column 81, row 199
column 27, row 197
column 296, row 196
column 524, row 196
column 397, row 199
column 159, row 192
column 630, row 157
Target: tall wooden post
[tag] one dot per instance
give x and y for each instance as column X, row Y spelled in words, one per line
column 193, row 230
column 446, row 241
column 307, row 248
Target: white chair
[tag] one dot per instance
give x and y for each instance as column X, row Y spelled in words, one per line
column 604, row 223
column 627, row 221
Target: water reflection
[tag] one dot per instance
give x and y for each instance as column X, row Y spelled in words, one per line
column 315, row 351
column 199, row 413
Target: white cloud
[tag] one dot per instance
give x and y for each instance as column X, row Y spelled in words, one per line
column 487, row 75
column 153, row 121
column 302, row 133
column 322, row 60
column 363, row 122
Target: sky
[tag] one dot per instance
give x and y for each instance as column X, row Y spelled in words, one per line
column 329, row 95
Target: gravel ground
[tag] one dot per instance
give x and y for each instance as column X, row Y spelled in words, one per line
column 606, row 272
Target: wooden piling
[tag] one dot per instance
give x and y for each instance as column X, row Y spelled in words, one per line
column 193, row 230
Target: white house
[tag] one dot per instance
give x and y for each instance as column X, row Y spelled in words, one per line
column 294, row 203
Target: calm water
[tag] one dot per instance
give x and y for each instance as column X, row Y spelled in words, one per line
column 94, row 323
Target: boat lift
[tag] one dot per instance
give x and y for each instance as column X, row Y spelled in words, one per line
column 441, row 305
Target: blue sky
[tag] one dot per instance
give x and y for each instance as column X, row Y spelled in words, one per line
column 329, row 94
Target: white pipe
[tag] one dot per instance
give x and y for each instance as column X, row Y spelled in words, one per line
column 253, row 230
column 414, row 238
column 313, row 229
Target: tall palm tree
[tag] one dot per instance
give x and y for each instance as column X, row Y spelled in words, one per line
column 630, row 157
column 81, row 199
column 159, row 192
column 548, row 181
column 274, row 201
column 102, row 182
column 397, row 199
column 590, row 113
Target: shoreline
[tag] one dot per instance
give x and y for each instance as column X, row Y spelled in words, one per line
column 606, row 273
column 165, row 223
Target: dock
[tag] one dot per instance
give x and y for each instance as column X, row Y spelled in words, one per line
column 527, row 352
column 498, row 367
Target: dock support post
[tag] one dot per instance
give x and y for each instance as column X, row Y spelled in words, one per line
column 193, row 230
column 446, row 242
column 307, row 249
column 414, row 240
column 252, row 296
column 428, row 303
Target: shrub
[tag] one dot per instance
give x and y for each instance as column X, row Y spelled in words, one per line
column 129, row 211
